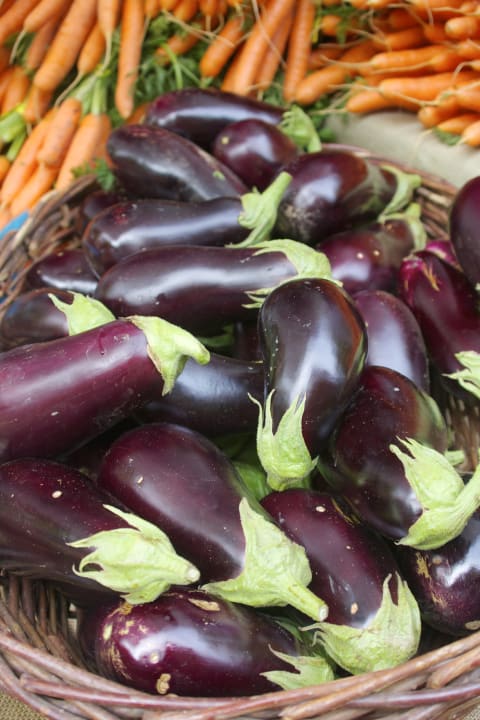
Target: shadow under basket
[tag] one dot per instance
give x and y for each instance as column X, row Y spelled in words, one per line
column 39, row 658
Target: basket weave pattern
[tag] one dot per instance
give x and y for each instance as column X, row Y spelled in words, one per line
column 39, row 662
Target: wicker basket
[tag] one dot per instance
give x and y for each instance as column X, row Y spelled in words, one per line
column 39, row 662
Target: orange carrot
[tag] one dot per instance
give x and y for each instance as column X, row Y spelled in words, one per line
column 16, row 89
column 432, row 115
column 299, row 48
column 220, row 50
column 138, row 114
column 469, row 95
column 43, row 12
column 168, row 5
column 108, row 14
column 151, row 9
column 425, row 88
column 321, row 55
column 60, row 133
column 471, row 134
column 92, row 52
column 462, row 28
column 40, row 43
column 131, row 40
column 39, row 183
column 400, row 18
column 367, row 101
column 5, row 76
column 5, row 216
column 36, row 104
column 13, row 18
column 185, row 10
column 273, row 56
column 401, row 39
column 458, row 123
column 468, row 49
column 67, row 43
column 4, row 167
column 178, row 44
column 435, row 32
column 396, row 60
column 87, row 143
column 228, row 81
column 4, row 58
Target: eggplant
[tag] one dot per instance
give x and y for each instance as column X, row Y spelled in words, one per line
column 255, row 150
column 88, row 457
column 94, row 203
column 214, row 399
column 373, row 618
column 143, row 224
column 245, row 344
column 203, row 289
column 388, row 460
column 153, row 162
column 333, row 189
column 313, row 344
column 445, row 305
column 463, row 228
column 56, row 525
column 32, row 317
column 63, row 269
column 179, row 480
column 394, row 336
column 59, row 394
column 192, row 643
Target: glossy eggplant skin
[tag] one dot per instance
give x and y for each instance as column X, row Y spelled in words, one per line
column 32, row 317
column 446, row 581
column 137, row 225
column 464, row 228
column 94, row 203
column 255, row 150
column 56, row 395
column 186, row 643
column 331, row 190
column 44, row 506
column 213, row 399
column 154, row 162
column 199, row 114
column 394, row 336
column 349, row 562
column 313, row 343
column 201, row 289
column 386, row 407
column 66, row 269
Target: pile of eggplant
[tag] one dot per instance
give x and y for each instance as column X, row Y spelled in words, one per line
column 221, row 436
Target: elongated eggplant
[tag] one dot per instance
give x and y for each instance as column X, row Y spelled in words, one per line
column 182, row 482
column 445, row 305
column 373, row 620
column 56, row 525
column 154, row 162
column 59, row 394
column 94, row 203
column 313, row 343
column 388, row 458
column 62, row 269
column 214, row 399
column 394, row 336
column 137, row 225
column 32, row 317
column 201, row 288
column 331, row 190
column 464, row 228
column 192, row 643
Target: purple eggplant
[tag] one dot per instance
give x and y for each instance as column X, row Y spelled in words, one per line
column 330, row 191
column 463, row 228
column 136, row 225
column 32, row 317
column 394, row 336
column 373, row 618
column 214, row 399
column 445, row 305
column 62, row 269
column 179, row 480
column 192, row 643
column 369, row 257
column 56, row 525
column 57, row 395
column 94, row 203
column 255, row 150
column 245, row 344
column 203, row 289
column 388, row 459
column 313, row 344
column 154, row 162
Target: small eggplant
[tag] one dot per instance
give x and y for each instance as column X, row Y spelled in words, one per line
column 445, row 305
column 313, row 344
column 192, row 643
column 56, row 395
column 203, row 289
column 94, row 203
column 154, row 162
column 64, row 270
column 56, row 525
column 464, row 219
column 388, row 459
column 137, row 225
column 182, row 482
column 214, row 399
column 394, row 336
column 32, row 317
column 373, row 619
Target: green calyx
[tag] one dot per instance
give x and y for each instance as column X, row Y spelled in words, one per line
column 138, row 561
column 447, row 503
column 83, row 313
column 254, row 478
column 259, row 212
column 407, row 183
column 308, row 670
column 276, row 570
column 469, row 376
column 307, row 262
column 412, row 216
column 391, row 638
column 298, row 126
column 284, row 454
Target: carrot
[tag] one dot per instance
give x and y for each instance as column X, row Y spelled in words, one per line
column 5, row 216
column 471, row 134
column 39, row 183
column 458, row 123
column 320, row 56
column 16, row 89
column 435, row 32
column 131, row 39
column 229, row 77
column 4, row 58
column 108, row 14
column 223, row 46
column 468, row 49
column 92, row 52
column 425, row 88
column 401, row 39
column 40, row 43
column 138, row 114
column 5, row 76
column 185, row 10
column 468, row 96
column 432, row 115
column 367, row 101
column 13, row 18
column 299, row 47
column 397, row 60
column 44, row 12
column 60, row 132
column 168, row 5
column 462, row 28
column 178, row 44
column 67, row 43
column 36, row 104
column 400, row 18
column 273, row 55
column 87, row 143
column 151, row 9
column 4, row 167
